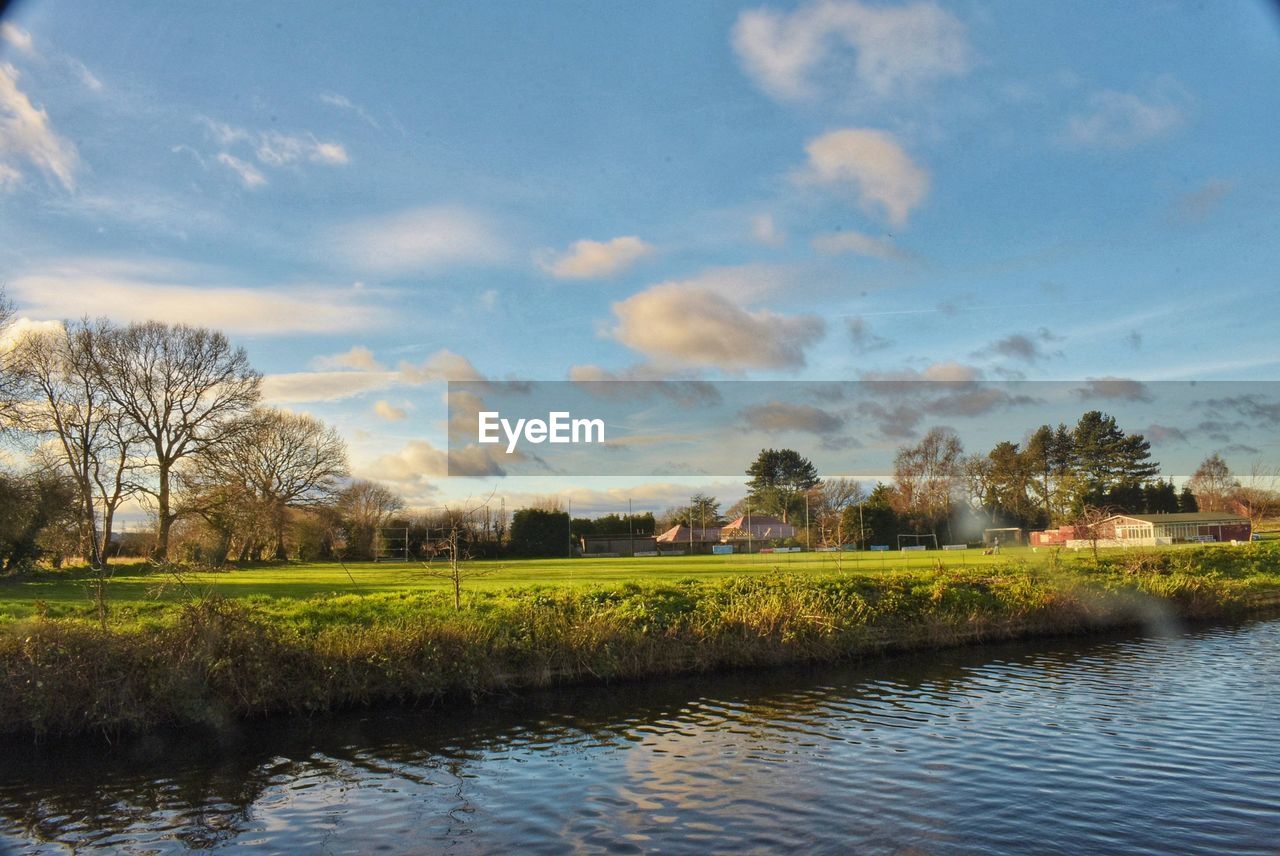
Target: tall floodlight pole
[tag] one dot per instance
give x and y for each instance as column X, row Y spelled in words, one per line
column 749, row 533
column 631, row 528
column 690, row 526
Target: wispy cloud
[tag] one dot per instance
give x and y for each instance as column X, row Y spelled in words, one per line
column 417, row 239
column 897, row 49
column 342, row 102
column 859, row 244
column 273, row 149
column 588, row 259
column 250, row 176
column 1115, row 120
column 135, row 291
column 26, row 135
column 871, row 165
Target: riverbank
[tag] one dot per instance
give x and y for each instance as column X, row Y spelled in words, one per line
column 211, row 660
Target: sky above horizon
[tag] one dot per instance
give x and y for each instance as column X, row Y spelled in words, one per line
column 376, row 198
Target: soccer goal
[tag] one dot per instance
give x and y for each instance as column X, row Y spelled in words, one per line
column 1007, row 537
column 391, row 544
column 911, row 543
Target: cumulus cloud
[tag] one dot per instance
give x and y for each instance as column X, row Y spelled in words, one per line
column 27, row 136
column 411, row 467
column 443, row 365
column 1116, row 388
column 871, row 165
column 686, row 325
column 937, row 373
column 1024, row 347
column 385, row 410
column 359, row 358
column 423, row 238
column 781, row 416
column 859, row 244
column 896, row 50
column 1117, row 120
column 598, row 259
column 132, row 291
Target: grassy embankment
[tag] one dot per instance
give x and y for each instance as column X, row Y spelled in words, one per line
column 213, row 647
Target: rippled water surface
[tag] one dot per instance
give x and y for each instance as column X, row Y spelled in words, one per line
column 1158, row 745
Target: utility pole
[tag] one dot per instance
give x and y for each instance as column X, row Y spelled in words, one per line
column 631, row 528
column 749, row 526
column 807, row 536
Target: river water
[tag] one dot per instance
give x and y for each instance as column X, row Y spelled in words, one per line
column 1128, row 744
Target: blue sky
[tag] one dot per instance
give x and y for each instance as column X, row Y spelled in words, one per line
column 375, row 198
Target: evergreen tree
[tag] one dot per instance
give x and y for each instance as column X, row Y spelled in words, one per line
column 779, row 480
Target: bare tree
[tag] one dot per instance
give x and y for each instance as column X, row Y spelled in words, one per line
column 1091, row 525
column 453, row 544
column 277, row 461
column 828, row 502
column 1258, row 498
column 10, row 377
column 927, row 475
column 1213, row 485
column 365, row 506
column 95, row 443
column 182, row 388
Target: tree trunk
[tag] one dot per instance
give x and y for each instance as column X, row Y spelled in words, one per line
column 165, row 518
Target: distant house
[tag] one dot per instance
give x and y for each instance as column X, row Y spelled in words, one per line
column 757, row 527
column 1151, row 529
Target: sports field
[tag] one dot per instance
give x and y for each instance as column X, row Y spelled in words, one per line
column 142, row 587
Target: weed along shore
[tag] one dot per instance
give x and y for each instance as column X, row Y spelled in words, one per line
column 210, row 660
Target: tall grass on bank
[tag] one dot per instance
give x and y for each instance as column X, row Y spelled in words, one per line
column 211, row 661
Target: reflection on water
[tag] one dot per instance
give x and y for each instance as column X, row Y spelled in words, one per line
column 1131, row 744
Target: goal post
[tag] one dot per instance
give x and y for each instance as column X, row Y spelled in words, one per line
column 910, row 543
column 1005, row 537
column 391, row 544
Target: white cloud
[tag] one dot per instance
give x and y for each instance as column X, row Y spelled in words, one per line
column 25, row 134
column 765, row 231
column 411, row 466
column 1122, row 120
column 18, row 39
column 9, row 177
column 277, row 149
column 873, row 166
column 417, row 239
column 132, row 291
column 856, row 242
column 356, row 372
column 359, row 358
column 273, row 149
column 87, row 77
column 683, row 325
column 342, row 102
column 303, row 387
column 250, row 175
column 897, row 49
column 21, row 328
column 386, row 410
column 596, row 259
column 442, row 365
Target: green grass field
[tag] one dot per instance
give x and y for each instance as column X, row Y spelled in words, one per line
column 139, row 588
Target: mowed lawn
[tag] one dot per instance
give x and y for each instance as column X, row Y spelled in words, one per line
column 140, row 587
